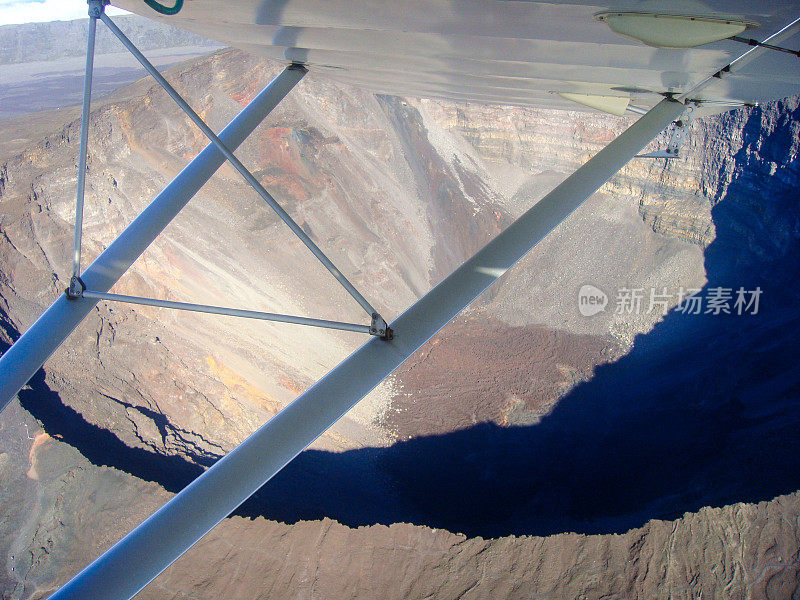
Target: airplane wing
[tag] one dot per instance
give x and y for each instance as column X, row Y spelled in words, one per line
column 514, row 52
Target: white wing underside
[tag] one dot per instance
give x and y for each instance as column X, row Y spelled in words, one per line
column 501, row 51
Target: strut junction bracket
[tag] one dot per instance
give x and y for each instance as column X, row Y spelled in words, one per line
column 678, row 133
column 380, row 328
column 76, row 288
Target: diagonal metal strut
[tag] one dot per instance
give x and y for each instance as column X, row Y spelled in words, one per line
column 378, row 323
column 94, row 11
column 19, row 363
column 151, row 547
column 230, row 312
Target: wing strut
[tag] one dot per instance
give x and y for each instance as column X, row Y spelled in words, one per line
column 378, row 326
column 151, row 547
column 34, row 347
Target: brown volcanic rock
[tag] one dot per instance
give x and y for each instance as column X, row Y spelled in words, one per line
column 737, row 552
column 77, row 510
column 479, row 369
column 59, row 510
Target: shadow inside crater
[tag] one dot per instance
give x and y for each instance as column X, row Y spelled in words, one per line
column 704, row 410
